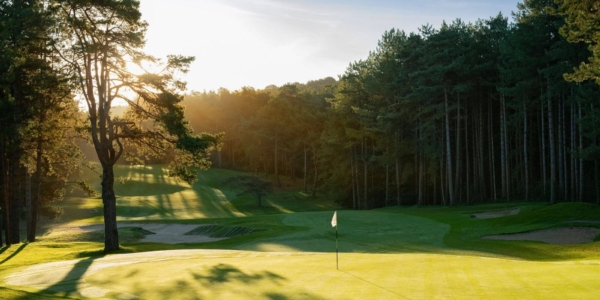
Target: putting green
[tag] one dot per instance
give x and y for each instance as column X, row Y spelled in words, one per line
column 359, row 231
column 226, row 274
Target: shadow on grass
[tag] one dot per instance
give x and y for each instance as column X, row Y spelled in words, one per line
column 226, row 273
column 68, row 284
column 21, row 247
column 210, row 282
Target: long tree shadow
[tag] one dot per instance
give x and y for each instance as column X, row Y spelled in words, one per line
column 21, row 247
column 68, row 284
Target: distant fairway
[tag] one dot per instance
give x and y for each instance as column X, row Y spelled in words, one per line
column 390, row 253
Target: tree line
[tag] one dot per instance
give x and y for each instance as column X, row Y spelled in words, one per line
column 467, row 113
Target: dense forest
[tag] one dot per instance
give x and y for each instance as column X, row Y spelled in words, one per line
column 465, row 113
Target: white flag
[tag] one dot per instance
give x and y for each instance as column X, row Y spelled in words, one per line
column 334, row 220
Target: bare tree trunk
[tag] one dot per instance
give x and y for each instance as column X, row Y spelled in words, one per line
column 16, row 197
column 448, row 150
column 420, row 161
column 353, row 180
column 504, row 150
column 525, row 156
column 387, row 182
column 358, row 202
column 233, row 154
column 564, row 149
column 365, row 169
column 552, row 151
column 420, row 201
column 573, row 146
column 468, row 183
column 30, row 230
column 305, row 168
column 314, row 191
column 491, row 152
column 543, row 156
column 561, row 170
column 457, row 176
column 479, row 138
column 219, row 157
column 5, row 195
column 442, row 188
column 277, row 181
column 398, row 195
column 580, row 159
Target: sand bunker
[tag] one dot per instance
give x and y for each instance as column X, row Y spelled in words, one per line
column 557, row 236
column 497, row 214
column 164, row 233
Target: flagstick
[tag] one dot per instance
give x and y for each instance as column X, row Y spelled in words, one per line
column 336, row 249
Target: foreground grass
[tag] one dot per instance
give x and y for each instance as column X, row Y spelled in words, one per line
column 391, row 253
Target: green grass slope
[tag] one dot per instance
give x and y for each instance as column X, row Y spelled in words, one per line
column 390, row 253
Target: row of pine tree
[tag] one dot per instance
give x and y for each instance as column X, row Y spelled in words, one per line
column 466, row 113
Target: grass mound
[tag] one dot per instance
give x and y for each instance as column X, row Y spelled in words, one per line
column 217, row 231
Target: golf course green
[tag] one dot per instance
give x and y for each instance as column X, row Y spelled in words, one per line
column 290, row 252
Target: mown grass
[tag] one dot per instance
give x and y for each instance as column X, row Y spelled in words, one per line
column 395, row 253
column 466, row 232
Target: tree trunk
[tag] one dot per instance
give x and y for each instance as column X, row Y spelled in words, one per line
column 581, row 181
column 420, row 161
column 356, row 179
column 492, row 152
column 305, row 168
column 420, row 201
column 506, row 152
column 561, row 170
column 37, row 181
column 16, row 197
column 480, row 164
column 503, row 147
column 525, row 156
column 457, row 176
column 29, row 228
column 4, row 203
column 275, row 161
column 387, row 182
column 552, row 152
column 111, row 234
column 442, row 188
column 220, row 158
column 353, row 180
column 543, row 156
column 448, row 150
column 573, row 160
column 468, row 183
column 398, row 198
column 314, row 191
column 564, row 149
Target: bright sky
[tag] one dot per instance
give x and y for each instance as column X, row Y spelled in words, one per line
column 260, row 42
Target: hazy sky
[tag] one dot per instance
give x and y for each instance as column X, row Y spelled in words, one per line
column 260, row 42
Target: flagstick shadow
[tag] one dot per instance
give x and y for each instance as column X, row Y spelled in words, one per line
column 374, row 284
